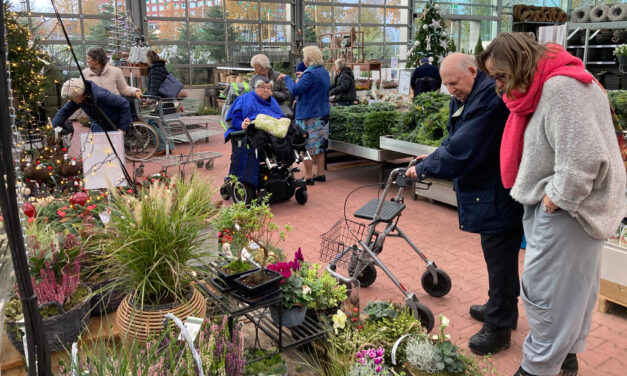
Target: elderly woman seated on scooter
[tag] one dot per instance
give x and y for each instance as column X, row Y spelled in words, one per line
column 247, row 107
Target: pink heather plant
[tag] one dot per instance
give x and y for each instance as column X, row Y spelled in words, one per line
column 48, row 289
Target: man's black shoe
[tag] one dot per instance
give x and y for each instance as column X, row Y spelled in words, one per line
column 521, row 372
column 570, row 366
column 309, row 181
column 476, row 312
column 490, row 340
column 320, row 178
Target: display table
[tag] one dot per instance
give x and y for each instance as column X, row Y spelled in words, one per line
column 368, row 66
column 231, row 304
column 613, row 288
column 380, row 156
column 441, row 190
column 135, row 75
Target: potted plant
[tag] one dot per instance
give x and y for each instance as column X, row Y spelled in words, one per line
column 267, row 365
column 621, row 53
column 64, row 303
column 116, row 58
column 152, row 242
column 295, row 295
column 327, row 293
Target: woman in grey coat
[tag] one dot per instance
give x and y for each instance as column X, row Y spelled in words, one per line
column 262, row 67
column 560, row 156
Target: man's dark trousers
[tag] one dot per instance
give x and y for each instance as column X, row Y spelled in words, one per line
column 500, row 251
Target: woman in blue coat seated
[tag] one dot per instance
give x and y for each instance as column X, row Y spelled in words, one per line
column 312, row 110
column 114, row 106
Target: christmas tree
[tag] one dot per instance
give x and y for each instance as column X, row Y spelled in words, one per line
column 451, row 46
column 430, row 39
column 28, row 63
column 478, row 46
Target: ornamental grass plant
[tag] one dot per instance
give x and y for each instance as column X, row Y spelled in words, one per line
column 153, row 239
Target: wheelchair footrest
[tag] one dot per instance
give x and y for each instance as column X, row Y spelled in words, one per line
column 389, row 210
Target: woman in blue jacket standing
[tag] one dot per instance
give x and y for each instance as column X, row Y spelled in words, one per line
column 312, row 110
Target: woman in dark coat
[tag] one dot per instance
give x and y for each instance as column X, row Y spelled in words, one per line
column 157, row 73
column 343, row 92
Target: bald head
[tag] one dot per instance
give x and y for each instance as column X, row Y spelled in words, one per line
column 458, row 72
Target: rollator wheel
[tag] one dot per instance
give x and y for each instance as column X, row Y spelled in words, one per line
column 301, row 195
column 209, row 164
column 243, row 192
column 423, row 314
column 439, row 290
column 199, row 164
column 367, row 276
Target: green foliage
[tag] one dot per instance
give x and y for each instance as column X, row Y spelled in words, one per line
column 430, row 39
column 378, row 310
column 271, row 366
column 386, row 331
column 151, row 240
column 348, row 123
column 325, row 290
column 618, row 99
column 451, row 46
column 425, row 123
column 293, row 292
column 206, row 110
column 478, row 46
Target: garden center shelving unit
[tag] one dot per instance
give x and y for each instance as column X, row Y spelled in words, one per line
column 441, row 190
column 233, row 306
column 380, row 156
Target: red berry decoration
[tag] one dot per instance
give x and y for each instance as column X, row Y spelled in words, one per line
column 29, row 210
column 79, row 198
column 50, row 168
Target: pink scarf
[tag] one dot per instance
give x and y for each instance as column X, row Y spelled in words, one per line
column 557, row 62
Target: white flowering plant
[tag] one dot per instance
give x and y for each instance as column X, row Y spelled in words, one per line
column 621, row 50
column 436, row 353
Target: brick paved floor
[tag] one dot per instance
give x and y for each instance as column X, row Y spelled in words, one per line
column 434, row 229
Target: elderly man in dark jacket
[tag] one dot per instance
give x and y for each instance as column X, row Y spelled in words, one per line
column 114, row 106
column 343, row 92
column 470, row 156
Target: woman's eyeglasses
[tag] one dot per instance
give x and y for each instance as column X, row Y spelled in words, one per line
column 266, row 88
column 499, row 77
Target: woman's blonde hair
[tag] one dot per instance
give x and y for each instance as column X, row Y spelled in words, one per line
column 515, row 55
column 153, row 57
column 312, row 55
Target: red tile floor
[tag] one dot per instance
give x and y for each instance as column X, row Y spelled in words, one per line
column 434, row 229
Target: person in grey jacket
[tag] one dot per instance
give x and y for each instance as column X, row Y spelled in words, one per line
column 343, row 91
column 280, row 92
column 560, row 156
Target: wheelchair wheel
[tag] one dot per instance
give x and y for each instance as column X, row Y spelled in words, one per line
column 301, row 195
column 443, row 286
column 141, row 142
column 367, row 276
column 243, row 192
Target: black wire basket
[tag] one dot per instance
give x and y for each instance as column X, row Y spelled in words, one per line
column 343, row 235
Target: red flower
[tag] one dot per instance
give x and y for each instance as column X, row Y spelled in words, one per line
column 356, row 309
column 64, row 149
column 61, row 213
column 79, row 198
column 29, row 209
column 355, row 319
column 31, row 219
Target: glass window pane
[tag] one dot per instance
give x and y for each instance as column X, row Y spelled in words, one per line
column 242, row 10
column 273, row 12
column 343, row 1
column 202, row 76
column 51, row 31
column 181, row 73
column 396, row 16
column 373, row 52
column 318, row 13
column 346, row 14
column 168, row 30
column 205, row 9
column 398, row 2
column 310, row 34
column 243, row 32
column 372, row 15
column 100, row 7
column 208, row 54
column 68, row 6
column 393, row 34
column 275, row 33
column 372, row 34
column 173, row 54
column 373, row 2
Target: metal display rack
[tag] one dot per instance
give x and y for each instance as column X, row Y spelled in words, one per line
column 591, row 30
column 381, row 156
column 231, row 304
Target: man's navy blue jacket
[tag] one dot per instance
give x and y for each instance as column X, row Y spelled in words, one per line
column 114, row 106
column 470, row 156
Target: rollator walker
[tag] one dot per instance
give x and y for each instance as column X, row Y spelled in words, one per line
column 355, row 246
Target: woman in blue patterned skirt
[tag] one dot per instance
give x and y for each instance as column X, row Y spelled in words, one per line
column 312, row 109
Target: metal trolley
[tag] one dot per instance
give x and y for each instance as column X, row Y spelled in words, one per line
column 355, row 246
column 168, row 116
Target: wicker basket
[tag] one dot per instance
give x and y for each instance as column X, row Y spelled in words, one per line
column 136, row 325
column 105, row 298
column 61, row 330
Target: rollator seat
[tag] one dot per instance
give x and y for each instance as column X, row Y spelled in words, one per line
column 389, row 210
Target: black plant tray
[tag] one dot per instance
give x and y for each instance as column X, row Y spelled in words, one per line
column 229, row 278
column 221, row 285
column 255, row 300
column 262, row 289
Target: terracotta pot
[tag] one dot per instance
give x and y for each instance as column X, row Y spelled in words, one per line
column 137, row 325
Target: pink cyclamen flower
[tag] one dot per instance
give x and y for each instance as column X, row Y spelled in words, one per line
column 378, row 369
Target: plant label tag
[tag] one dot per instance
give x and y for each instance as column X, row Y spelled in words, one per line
column 192, row 325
